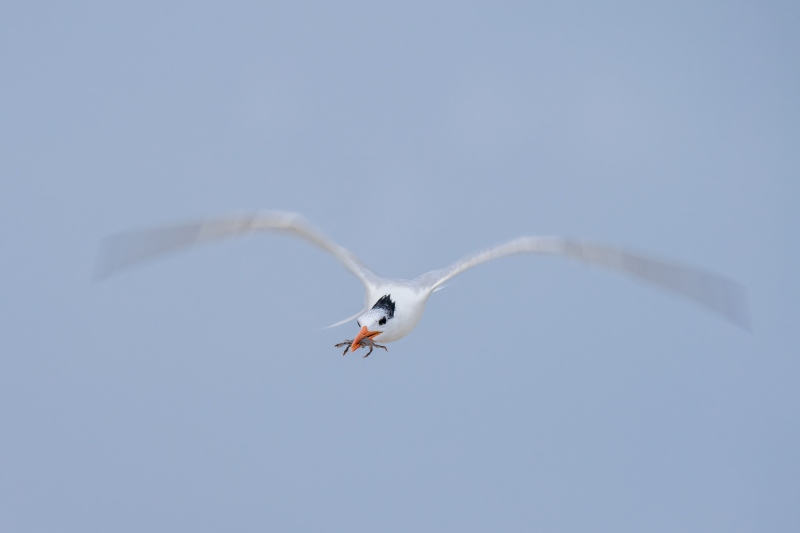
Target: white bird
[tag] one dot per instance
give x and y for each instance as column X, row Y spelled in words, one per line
column 393, row 307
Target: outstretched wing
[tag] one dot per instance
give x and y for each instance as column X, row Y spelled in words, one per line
column 713, row 292
column 123, row 250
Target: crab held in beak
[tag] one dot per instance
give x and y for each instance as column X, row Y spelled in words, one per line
column 363, row 334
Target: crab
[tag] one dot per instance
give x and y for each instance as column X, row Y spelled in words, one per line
column 366, row 342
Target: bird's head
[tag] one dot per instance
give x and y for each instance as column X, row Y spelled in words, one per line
column 375, row 321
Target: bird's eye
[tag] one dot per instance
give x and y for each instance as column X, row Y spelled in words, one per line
column 382, row 321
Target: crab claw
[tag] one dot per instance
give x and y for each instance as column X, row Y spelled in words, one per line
column 363, row 334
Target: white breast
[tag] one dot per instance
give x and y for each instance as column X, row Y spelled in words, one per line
column 409, row 305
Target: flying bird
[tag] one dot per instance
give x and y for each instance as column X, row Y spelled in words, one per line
column 393, row 307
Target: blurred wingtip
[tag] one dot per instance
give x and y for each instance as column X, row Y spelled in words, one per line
column 345, row 321
column 730, row 300
column 111, row 258
column 741, row 315
column 121, row 251
column 103, row 267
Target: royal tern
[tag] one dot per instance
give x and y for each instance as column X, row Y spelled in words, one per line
column 393, row 307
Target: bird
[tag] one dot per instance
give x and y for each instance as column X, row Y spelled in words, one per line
column 394, row 307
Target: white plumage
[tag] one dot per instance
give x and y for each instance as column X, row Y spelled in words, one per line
column 393, row 307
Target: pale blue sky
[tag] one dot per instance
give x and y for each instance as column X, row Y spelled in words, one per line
column 200, row 393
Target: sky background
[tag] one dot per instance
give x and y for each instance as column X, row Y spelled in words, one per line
column 200, row 393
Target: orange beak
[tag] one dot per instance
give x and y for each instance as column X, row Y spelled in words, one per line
column 364, row 333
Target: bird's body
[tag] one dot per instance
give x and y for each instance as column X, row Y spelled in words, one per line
column 409, row 300
column 394, row 307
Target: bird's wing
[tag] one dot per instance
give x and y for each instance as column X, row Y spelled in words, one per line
column 720, row 295
column 123, row 250
column 348, row 319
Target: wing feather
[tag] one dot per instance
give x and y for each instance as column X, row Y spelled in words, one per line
column 124, row 250
column 716, row 293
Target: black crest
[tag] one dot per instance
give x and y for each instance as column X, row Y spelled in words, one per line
column 386, row 304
